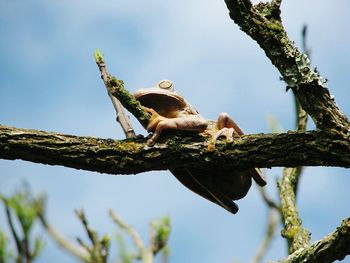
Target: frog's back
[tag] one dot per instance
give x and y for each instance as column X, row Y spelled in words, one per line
column 220, row 186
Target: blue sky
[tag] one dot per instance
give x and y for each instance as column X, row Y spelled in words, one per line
column 49, row 81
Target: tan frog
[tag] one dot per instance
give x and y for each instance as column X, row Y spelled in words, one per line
column 170, row 111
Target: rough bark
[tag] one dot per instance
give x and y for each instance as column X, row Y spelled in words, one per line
column 174, row 151
column 262, row 22
column 335, row 246
column 328, row 146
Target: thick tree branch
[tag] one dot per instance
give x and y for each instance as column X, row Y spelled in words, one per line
column 133, row 156
column 263, row 23
column 335, row 246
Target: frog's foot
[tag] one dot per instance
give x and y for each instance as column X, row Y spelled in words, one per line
column 226, row 126
column 227, row 132
column 153, row 124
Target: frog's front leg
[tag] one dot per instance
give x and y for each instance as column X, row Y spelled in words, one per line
column 226, row 126
column 158, row 123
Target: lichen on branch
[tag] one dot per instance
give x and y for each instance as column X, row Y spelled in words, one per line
column 263, row 24
column 133, row 156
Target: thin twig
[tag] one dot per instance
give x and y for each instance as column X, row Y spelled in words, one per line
column 99, row 249
column 77, row 252
column 268, row 200
column 122, row 117
column 270, row 232
column 131, row 231
column 306, row 50
column 274, row 211
column 145, row 254
column 12, row 228
column 117, row 89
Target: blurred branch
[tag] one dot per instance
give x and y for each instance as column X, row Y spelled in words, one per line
column 122, row 118
column 304, row 45
column 67, row 245
column 12, row 228
column 268, row 200
column 99, row 248
column 5, row 255
column 144, row 253
column 159, row 234
column 273, row 219
column 24, row 208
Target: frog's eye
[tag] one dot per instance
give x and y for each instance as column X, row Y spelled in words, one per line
column 165, row 84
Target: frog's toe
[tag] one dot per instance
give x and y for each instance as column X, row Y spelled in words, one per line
column 227, row 132
column 150, row 142
column 211, row 146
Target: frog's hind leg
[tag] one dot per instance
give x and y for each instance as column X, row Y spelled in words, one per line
column 225, row 121
column 225, row 126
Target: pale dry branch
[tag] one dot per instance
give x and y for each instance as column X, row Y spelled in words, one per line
column 272, row 223
column 146, row 255
column 78, row 252
column 122, row 117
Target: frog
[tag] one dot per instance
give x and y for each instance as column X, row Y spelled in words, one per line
column 169, row 110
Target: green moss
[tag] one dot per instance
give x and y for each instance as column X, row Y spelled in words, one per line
column 275, row 26
column 117, row 89
column 130, row 146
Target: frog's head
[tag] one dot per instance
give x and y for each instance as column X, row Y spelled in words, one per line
column 162, row 98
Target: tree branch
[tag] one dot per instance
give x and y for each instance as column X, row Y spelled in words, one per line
column 145, row 254
column 172, row 151
column 335, row 246
column 294, row 232
column 296, row 235
column 78, row 252
column 117, row 89
column 269, row 235
column 122, row 118
column 263, row 23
